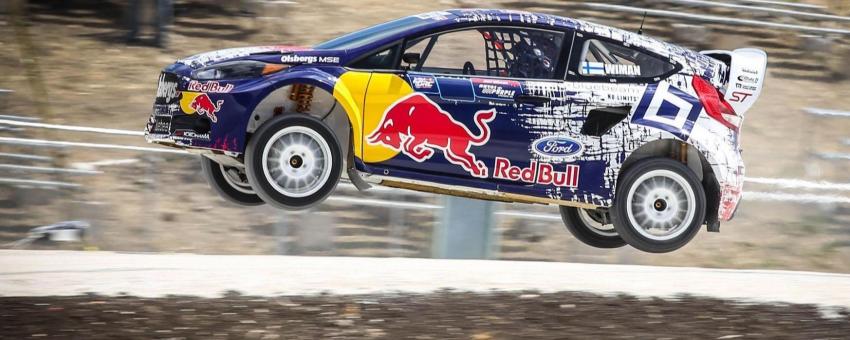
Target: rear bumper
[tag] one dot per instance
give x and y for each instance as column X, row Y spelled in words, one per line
column 731, row 185
column 730, row 197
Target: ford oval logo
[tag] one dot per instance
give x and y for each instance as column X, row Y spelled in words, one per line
column 557, row 147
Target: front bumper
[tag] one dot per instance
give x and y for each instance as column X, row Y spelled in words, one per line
column 169, row 124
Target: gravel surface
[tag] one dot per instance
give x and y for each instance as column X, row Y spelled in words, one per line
column 68, row 273
column 441, row 315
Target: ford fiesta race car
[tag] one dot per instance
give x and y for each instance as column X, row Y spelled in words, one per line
column 636, row 140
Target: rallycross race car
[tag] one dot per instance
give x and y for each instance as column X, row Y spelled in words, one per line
column 636, row 140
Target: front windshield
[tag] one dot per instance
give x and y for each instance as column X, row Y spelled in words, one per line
column 372, row 34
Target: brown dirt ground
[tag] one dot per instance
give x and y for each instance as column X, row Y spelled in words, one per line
column 94, row 78
column 442, row 315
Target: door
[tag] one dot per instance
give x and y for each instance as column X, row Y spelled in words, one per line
column 588, row 128
column 450, row 113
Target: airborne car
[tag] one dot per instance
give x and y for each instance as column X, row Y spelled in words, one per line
column 636, row 140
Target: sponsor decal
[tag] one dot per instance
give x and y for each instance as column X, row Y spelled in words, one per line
column 590, row 68
column 748, row 79
column 667, row 108
column 745, row 87
column 166, row 90
column 307, row 59
column 622, row 97
column 191, row 134
column 557, row 147
column 165, row 110
column 201, row 104
column 750, row 71
column 496, row 88
column 739, row 97
column 160, row 126
column 423, row 83
column 622, row 70
column 329, row 60
column 537, row 173
column 210, row 86
column 416, row 126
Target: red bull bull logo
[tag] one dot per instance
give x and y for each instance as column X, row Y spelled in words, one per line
column 200, row 103
column 416, row 126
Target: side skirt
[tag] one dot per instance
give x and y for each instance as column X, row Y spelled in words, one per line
column 481, row 194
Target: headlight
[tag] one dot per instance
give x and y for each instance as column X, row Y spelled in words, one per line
column 236, row 70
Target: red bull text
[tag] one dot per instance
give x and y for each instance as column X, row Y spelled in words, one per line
column 539, row 173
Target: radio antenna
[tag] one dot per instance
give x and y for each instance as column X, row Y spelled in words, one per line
column 640, row 30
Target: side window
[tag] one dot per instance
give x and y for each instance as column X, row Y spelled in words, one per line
column 382, row 60
column 489, row 51
column 612, row 60
column 450, row 52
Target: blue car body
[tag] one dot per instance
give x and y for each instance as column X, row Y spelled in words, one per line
column 526, row 152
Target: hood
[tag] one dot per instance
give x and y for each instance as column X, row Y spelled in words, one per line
column 209, row 58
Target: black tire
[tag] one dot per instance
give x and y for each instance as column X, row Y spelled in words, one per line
column 227, row 188
column 303, row 126
column 674, row 175
column 586, row 233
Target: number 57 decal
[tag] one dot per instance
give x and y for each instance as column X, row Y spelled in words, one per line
column 667, row 108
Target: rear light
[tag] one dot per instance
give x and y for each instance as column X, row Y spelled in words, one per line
column 715, row 106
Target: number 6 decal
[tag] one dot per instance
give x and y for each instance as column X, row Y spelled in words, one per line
column 667, row 108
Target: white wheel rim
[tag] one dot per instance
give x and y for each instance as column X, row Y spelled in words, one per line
column 236, row 179
column 661, row 205
column 297, row 161
column 595, row 226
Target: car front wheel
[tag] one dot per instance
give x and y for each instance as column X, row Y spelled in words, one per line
column 293, row 161
column 660, row 205
column 591, row 227
column 230, row 183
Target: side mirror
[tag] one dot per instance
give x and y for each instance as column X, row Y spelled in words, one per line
column 411, row 58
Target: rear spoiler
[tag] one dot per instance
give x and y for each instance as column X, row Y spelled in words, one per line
column 747, row 69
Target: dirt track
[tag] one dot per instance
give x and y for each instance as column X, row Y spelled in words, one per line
column 444, row 315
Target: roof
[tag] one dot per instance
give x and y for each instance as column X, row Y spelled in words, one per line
column 691, row 60
column 503, row 16
column 498, row 16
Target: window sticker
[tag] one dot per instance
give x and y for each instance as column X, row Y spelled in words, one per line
column 592, row 68
column 622, row 70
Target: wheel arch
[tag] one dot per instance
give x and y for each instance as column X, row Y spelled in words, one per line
column 336, row 102
column 696, row 159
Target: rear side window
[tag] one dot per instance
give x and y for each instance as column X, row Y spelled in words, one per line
column 605, row 59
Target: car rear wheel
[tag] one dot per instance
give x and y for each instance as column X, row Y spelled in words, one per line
column 660, row 205
column 293, row 161
column 591, row 227
column 230, row 183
